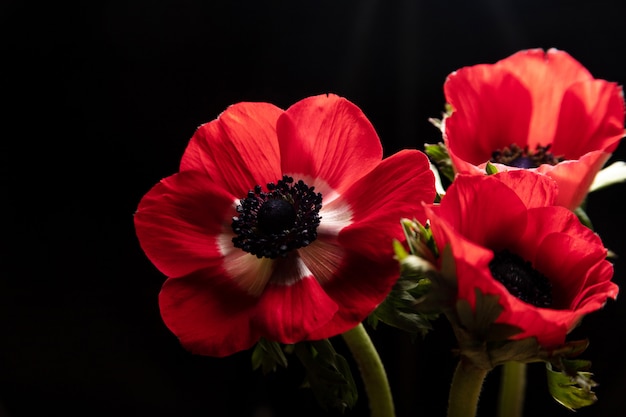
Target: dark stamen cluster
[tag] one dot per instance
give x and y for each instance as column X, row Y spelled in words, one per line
column 521, row 157
column 521, row 279
column 273, row 223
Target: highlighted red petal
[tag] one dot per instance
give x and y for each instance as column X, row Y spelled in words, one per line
column 591, row 118
column 470, row 207
column 575, row 177
column 179, row 220
column 328, row 137
column 239, row 149
column 495, row 109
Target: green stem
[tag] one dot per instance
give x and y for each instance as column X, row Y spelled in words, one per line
column 465, row 390
column 512, row 386
column 372, row 371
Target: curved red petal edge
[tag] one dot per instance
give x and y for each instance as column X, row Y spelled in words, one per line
column 178, row 220
column 239, row 149
column 534, row 190
column 491, row 110
column 575, row 177
column 395, row 189
column 591, row 118
column 209, row 315
column 485, row 210
column 328, row 137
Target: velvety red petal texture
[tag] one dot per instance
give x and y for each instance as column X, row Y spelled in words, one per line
column 534, row 190
column 178, row 221
column 396, row 188
column 531, row 98
column 492, row 109
column 552, row 239
column 330, row 138
column 210, row 315
column 239, row 149
column 466, row 206
column 591, row 118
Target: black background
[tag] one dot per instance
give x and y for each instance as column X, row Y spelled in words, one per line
column 99, row 101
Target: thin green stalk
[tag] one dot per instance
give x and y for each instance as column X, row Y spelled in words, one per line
column 467, row 383
column 512, row 388
column 372, row 371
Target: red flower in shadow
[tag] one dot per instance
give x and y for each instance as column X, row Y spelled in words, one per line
column 538, row 110
column 279, row 225
column 508, row 240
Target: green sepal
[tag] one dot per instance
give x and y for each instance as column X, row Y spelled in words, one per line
column 328, row 375
column 572, row 386
column 438, row 154
column 490, row 168
column 583, row 217
column 268, row 356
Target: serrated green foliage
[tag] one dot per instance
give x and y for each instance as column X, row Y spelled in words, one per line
column 490, row 169
column 328, row 375
column 572, row 386
column 438, row 154
column 413, row 302
column 268, row 356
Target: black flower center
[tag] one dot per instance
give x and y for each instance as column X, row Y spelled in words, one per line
column 515, row 156
column 273, row 223
column 521, row 279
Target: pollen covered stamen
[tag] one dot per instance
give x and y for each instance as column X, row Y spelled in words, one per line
column 515, row 156
column 521, row 279
column 273, row 223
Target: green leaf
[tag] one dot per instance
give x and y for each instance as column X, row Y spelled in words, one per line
column 268, row 356
column 571, row 387
column 583, row 217
column 328, row 375
column 491, row 169
column 438, row 154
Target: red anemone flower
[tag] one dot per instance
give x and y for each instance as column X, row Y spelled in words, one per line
column 279, row 225
column 534, row 110
column 508, row 240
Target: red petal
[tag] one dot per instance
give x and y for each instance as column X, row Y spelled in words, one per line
column 328, row 137
column 395, row 189
column 544, row 221
column 534, row 190
column 591, row 118
column 239, row 149
column 178, row 221
column 566, row 260
column 537, row 69
column 494, row 111
column 484, row 210
column 209, row 315
column 323, row 258
column 598, row 288
column 290, row 310
column 575, row 177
